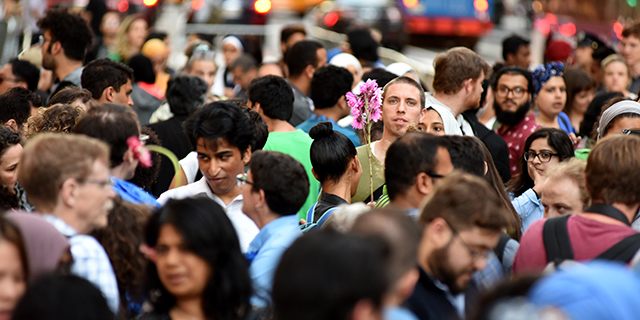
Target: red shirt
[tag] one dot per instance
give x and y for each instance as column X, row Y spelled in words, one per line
column 589, row 238
column 515, row 137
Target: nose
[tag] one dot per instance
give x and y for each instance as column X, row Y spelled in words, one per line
column 130, row 102
column 401, row 107
column 213, row 168
column 111, row 193
column 480, row 263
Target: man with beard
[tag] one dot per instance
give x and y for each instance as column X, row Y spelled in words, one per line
column 65, row 42
column 512, row 100
column 462, row 221
column 457, row 84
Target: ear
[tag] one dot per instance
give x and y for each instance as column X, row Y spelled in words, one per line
column 486, row 168
column 108, row 94
column 128, row 156
column 13, row 125
column 315, row 175
column 468, row 85
column 56, row 47
column 364, row 310
column 355, row 164
column 309, row 70
column 423, row 113
column 23, row 84
column 262, row 200
column 68, row 192
column 424, row 184
column 438, row 233
column 342, row 103
column 246, row 156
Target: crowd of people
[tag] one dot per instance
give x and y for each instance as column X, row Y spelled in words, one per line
column 242, row 191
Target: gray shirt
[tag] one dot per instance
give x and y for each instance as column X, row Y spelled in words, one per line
column 302, row 107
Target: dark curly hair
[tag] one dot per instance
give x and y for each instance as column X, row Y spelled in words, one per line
column 145, row 177
column 70, row 94
column 121, row 240
column 207, row 232
column 70, row 30
column 59, row 118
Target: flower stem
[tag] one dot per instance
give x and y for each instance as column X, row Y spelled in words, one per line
column 369, row 151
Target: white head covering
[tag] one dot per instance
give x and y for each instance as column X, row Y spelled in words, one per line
column 618, row 108
column 400, row 68
column 344, row 59
column 234, row 41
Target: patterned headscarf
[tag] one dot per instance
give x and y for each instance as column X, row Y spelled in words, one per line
column 543, row 73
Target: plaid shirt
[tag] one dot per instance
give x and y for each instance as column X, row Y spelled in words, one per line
column 90, row 261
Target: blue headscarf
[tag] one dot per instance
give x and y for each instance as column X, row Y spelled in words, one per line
column 543, row 73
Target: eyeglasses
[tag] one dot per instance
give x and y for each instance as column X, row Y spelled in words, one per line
column 518, row 92
column 8, row 79
column 103, row 183
column 42, row 40
column 542, row 156
column 241, row 180
column 143, row 139
column 475, row 254
column 434, row 175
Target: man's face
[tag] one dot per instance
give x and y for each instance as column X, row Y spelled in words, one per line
column 322, row 58
column 204, row 69
column 475, row 95
column 400, row 108
column 522, row 58
column 123, row 97
column 8, row 80
column 583, row 57
column 293, row 39
column 630, row 50
column 463, row 255
column 48, row 62
column 561, row 197
column 511, row 92
column 243, row 78
column 220, row 163
column 95, row 198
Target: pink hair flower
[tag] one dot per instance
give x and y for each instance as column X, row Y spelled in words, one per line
column 140, row 152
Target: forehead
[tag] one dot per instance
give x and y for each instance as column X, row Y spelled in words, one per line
column 206, row 145
column 631, row 39
column 203, row 64
column 7, row 69
column 560, row 187
column 555, row 81
column 513, row 79
column 617, row 64
column 403, row 90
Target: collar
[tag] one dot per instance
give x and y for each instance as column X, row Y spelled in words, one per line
column 319, row 117
column 202, row 185
column 273, row 227
column 59, row 224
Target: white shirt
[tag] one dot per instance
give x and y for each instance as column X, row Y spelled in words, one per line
column 190, row 166
column 245, row 227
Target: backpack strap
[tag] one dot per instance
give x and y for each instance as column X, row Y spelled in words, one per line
column 325, row 216
column 609, row 211
column 624, row 250
column 311, row 213
column 556, row 240
column 502, row 243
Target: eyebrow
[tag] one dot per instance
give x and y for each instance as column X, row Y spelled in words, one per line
column 224, row 153
column 542, row 150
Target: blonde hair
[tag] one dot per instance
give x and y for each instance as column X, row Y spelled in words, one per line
column 572, row 170
column 122, row 42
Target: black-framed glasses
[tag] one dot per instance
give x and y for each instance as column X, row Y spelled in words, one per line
column 434, row 175
column 241, row 180
column 103, row 183
column 518, row 92
column 42, row 40
column 475, row 254
column 7, row 79
column 544, row 156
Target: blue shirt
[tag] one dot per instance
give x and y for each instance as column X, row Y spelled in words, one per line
column 90, row 261
column 529, row 208
column 398, row 313
column 265, row 252
column 132, row 193
column 317, row 118
column 565, row 123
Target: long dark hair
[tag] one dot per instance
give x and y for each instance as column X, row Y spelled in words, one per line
column 207, row 232
column 557, row 139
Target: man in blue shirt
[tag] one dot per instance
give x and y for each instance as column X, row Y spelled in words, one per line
column 114, row 124
column 329, row 86
column 274, row 189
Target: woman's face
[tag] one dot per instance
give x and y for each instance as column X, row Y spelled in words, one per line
column 183, row 273
column 552, row 97
column 432, row 123
column 623, row 123
column 12, row 278
column 540, row 147
column 9, row 166
column 581, row 101
column 230, row 53
column 616, row 77
column 137, row 33
column 356, row 76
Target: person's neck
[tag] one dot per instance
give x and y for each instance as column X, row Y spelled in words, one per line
column 546, row 120
column 68, row 215
column 332, row 113
column 65, row 67
column 341, row 189
column 423, row 255
column 188, row 309
column 264, row 218
column 108, row 41
column 635, row 70
column 380, row 148
column 277, row 125
column 228, row 196
column 452, row 101
column 405, row 202
column 575, row 118
column 301, row 83
column 629, row 211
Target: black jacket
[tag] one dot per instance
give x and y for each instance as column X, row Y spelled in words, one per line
column 428, row 302
column 496, row 145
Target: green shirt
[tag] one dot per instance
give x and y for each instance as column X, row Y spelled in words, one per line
column 298, row 145
column 363, row 192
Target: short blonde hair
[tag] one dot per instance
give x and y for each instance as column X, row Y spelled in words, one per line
column 572, row 170
column 50, row 159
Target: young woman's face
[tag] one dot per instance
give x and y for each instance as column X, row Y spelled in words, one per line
column 137, row 33
column 616, row 77
column 552, row 97
column 183, row 273
column 230, row 53
column 9, row 166
column 12, row 278
column 542, row 149
column 432, row 123
column 581, row 101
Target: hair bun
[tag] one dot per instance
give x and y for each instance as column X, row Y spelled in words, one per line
column 321, row 130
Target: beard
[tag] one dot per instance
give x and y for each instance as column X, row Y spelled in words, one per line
column 47, row 60
column 440, row 265
column 511, row 118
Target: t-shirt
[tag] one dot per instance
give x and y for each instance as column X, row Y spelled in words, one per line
column 363, row 192
column 589, row 238
column 298, row 145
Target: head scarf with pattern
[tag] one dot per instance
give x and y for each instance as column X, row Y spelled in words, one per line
column 543, row 73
